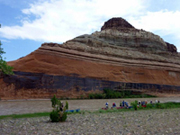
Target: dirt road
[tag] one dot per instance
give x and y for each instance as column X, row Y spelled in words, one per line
column 31, row 106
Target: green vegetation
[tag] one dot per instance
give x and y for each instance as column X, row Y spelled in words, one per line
column 109, row 94
column 168, row 105
column 59, row 110
column 134, row 104
column 31, row 115
column 28, row 115
column 4, row 68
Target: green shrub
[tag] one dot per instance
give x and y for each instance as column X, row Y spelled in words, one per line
column 67, row 105
column 149, row 106
column 54, row 116
column 109, row 94
column 54, row 101
column 96, row 96
column 160, row 106
column 157, row 105
column 4, row 67
column 134, row 104
column 58, row 115
column 63, row 116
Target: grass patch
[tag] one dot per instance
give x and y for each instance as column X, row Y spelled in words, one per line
column 28, row 115
column 31, row 115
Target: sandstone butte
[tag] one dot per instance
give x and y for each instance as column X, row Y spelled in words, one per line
column 117, row 57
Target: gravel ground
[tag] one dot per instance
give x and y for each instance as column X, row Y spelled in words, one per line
column 144, row 122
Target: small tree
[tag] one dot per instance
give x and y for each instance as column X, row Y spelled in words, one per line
column 134, row 104
column 59, row 112
column 4, row 68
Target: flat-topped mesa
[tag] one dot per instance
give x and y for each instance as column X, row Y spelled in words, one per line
column 116, row 23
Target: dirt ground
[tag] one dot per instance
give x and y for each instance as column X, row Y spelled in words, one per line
column 44, row 105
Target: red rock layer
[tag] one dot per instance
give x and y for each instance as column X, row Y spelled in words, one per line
column 98, row 66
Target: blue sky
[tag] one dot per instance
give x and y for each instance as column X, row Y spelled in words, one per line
column 25, row 25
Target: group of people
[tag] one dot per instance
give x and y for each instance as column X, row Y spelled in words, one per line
column 145, row 102
column 123, row 104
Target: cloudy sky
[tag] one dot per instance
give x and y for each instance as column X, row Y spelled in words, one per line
column 26, row 24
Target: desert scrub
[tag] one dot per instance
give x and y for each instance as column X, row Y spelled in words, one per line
column 59, row 113
column 110, row 94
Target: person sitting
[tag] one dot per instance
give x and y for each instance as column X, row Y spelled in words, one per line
column 114, row 105
column 123, row 103
column 106, row 105
column 126, row 104
column 143, row 103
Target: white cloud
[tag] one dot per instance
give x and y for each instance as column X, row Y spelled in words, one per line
column 164, row 23
column 61, row 20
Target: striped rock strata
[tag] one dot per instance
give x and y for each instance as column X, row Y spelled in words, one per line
column 118, row 56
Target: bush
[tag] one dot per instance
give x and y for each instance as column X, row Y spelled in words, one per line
column 54, row 116
column 134, row 104
column 63, row 116
column 91, row 96
column 109, row 94
column 96, row 96
column 157, row 105
column 149, row 106
column 54, row 101
column 67, row 105
column 160, row 106
column 4, row 68
column 58, row 115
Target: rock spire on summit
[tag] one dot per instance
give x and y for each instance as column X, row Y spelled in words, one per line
column 116, row 23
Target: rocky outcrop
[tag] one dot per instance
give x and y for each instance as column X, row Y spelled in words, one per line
column 118, row 56
column 116, row 23
column 171, row 48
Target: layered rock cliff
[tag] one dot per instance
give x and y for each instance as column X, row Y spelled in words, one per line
column 117, row 56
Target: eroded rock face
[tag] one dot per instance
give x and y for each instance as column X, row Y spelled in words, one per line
column 171, row 48
column 117, row 55
column 116, row 23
